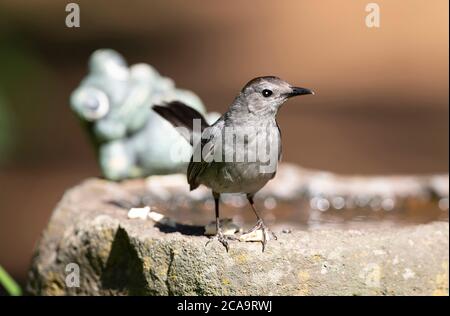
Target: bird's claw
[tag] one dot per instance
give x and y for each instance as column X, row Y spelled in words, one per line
column 265, row 235
column 223, row 239
column 260, row 225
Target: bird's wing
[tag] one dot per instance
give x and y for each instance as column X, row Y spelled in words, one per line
column 211, row 136
column 280, row 148
column 181, row 115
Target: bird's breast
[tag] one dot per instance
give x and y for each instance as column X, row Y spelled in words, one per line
column 246, row 166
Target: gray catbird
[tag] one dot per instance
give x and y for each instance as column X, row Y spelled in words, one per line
column 252, row 115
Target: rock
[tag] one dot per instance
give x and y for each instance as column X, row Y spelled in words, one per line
column 91, row 247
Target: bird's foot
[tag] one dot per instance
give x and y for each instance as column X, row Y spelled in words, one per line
column 260, row 225
column 222, row 238
column 260, row 232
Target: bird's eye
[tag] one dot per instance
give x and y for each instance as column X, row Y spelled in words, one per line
column 266, row 93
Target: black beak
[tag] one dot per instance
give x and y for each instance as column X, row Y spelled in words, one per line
column 299, row 91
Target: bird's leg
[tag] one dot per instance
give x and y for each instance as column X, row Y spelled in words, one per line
column 260, row 224
column 219, row 235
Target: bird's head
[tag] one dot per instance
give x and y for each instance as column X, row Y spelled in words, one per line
column 264, row 95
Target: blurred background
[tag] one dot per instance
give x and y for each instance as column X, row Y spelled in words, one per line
column 381, row 105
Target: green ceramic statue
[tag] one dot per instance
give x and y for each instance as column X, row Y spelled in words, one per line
column 114, row 102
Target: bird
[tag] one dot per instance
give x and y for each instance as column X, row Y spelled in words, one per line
column 251, row 118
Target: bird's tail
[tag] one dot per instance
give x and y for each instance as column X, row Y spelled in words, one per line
column 181, row 115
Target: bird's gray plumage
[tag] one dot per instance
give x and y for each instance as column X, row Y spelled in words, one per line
column 255, row 108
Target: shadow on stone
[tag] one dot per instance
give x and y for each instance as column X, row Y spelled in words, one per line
column 184, row 229
column 188, row 230
column 124, row 273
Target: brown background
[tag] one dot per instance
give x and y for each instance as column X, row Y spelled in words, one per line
column 381, row 103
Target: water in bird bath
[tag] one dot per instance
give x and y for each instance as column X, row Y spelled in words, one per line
column 300, row 215
column 306, row 199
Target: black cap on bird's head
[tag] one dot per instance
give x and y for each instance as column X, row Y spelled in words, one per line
column 269, row 92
